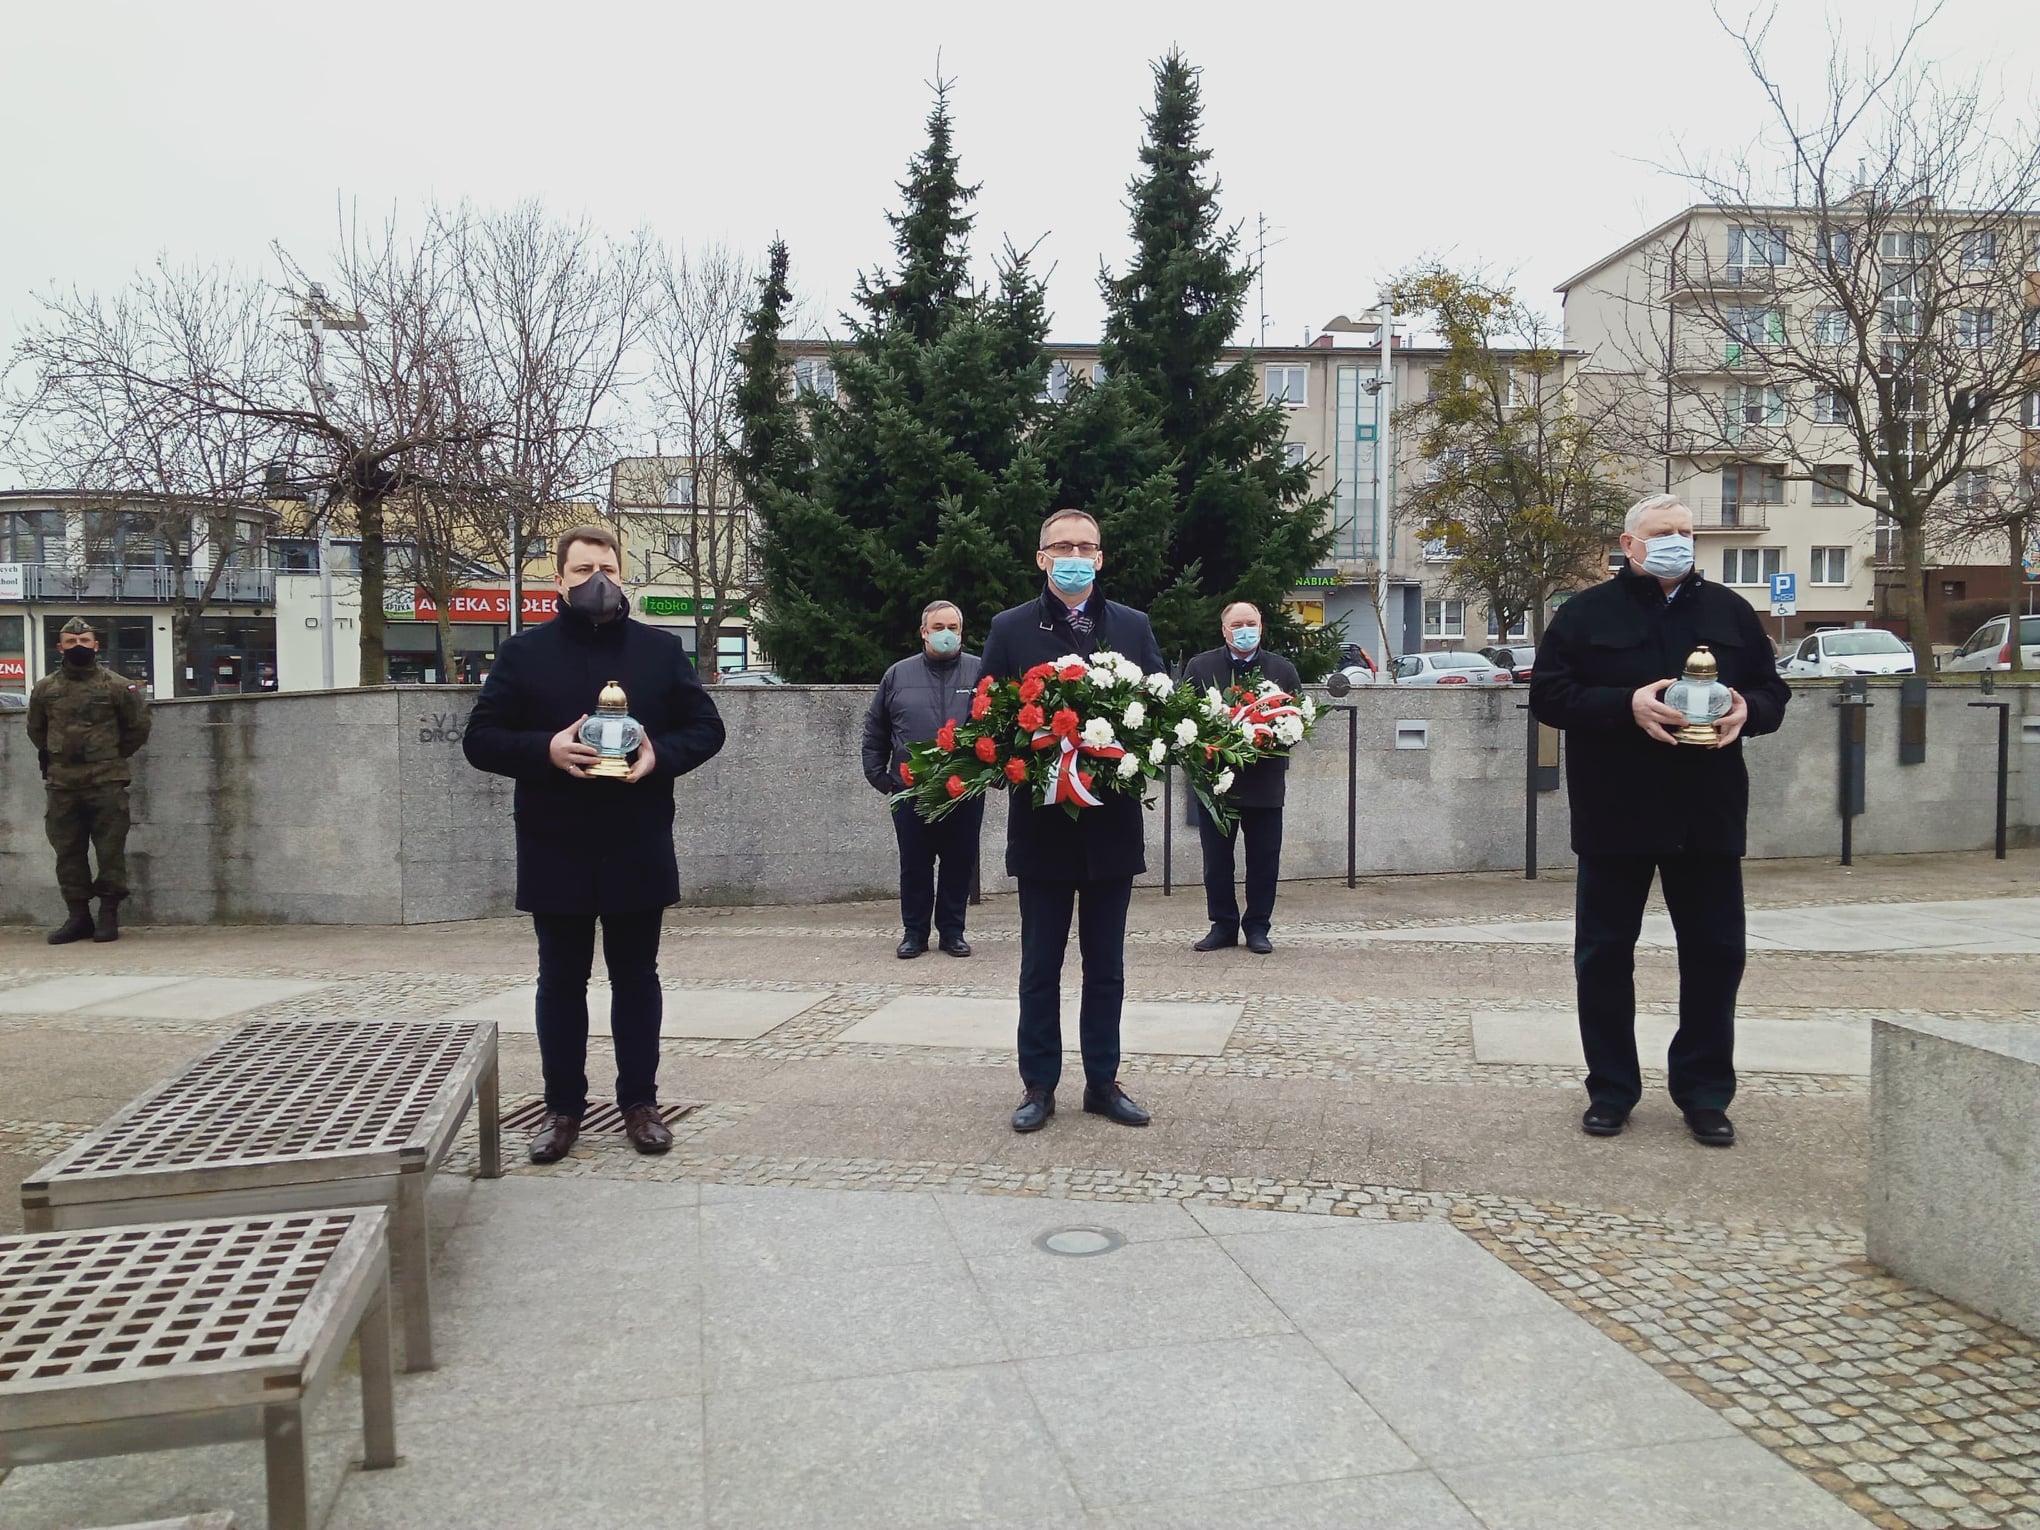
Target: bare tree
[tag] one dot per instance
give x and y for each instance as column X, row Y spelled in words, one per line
column 1996, row 517
column 1520, row 484
column 683, row 502
column 131, row 402
column 1857, row 309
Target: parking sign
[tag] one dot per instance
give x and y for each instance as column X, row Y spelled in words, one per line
column 1784, row 594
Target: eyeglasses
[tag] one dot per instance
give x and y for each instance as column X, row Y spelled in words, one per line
column 1073, row 549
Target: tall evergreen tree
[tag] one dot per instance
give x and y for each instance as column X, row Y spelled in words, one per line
column 1246, row 525
column 924, row 481
column 770, row 451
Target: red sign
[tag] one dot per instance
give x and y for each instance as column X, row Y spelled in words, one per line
column 15, row 670
column 484, row 605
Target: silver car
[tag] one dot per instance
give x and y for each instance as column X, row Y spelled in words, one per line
column 1849, row 651
column 1987, row 647
column 1448, row 669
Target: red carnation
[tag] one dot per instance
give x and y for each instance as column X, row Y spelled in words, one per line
column 1040, row 672
column 955, row 785
column 980, row 708
column 1065, row 723
column 906, row 772
column 1029, row 719
column 1030, row 688
column 988, row 750
column 984, row 686
column 1072, row 672
column 1016, row 770
column 945, row 736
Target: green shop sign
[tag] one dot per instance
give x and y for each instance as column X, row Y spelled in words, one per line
column 1320, row 578
column 683, row 605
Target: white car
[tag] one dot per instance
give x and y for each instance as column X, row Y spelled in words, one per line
column 1849, row 651
column 1987, row 647
column 1448, row 669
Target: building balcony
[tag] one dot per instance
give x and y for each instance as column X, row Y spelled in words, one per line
column 113, row 583
column 1713, row 515
column 1695, row 276
column 1713, row 356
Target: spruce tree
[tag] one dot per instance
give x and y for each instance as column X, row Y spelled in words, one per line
column 1245, row 525
column 924, row 483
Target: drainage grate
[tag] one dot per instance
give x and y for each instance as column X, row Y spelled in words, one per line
column 1080, row 1242
column 601, row 1120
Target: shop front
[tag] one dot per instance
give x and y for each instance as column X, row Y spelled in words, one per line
column 676, row 613
column 127, row 645
column 14, row 654
column 419, row 652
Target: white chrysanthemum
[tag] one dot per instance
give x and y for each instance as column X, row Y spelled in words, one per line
column 1129, row 766
column 1103, row 656
column 1127, row 670
column 1159, row 686
column 1309, row 710
column 1224, row 783
column 1102, row 676
column 1186, row 733
column 1215, row 704
column 1289, row 730
column 1098, row 733
column 1134, row 716
column 1159, row 751
column 1270, row 688
column 1068, row 659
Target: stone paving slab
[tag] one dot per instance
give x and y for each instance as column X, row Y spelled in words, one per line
column 709, row 1014
column 212, row 998
column 1552, row 1037
column 1155, row 1028
column 61, row 995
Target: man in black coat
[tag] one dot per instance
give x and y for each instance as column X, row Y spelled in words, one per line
column 1258, row 792
column 589, row 848
column 916, row 697
column 1643, row 803
column 1083, row 865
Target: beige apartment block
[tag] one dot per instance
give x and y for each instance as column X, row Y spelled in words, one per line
column 687, row 541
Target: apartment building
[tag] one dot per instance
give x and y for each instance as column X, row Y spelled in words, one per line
column 687, row 542
column 1687, row 321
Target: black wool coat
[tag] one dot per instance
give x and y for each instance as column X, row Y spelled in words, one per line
column 592, row 847
column 1631, row 795
column 1102, row 844
column 1265, row 785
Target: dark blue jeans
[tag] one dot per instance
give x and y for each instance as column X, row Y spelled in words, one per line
column 1704, row 896
column 566, row 954
column 951, row 842
column 1046, row 909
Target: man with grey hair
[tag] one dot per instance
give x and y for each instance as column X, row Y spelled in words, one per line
column 1645, row 805
column 916, row 697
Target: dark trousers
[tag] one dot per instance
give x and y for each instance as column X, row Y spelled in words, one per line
column 1045, row 912
column 951, row 842
column 1703, row 894
column 1261, row 827
column 74, row 817
column 566, row 953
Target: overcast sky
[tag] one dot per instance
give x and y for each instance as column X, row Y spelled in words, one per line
column 1524, row 137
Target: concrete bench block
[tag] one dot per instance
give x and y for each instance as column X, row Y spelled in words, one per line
column 1954, row 1199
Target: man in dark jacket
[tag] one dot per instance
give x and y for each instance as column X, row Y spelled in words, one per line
column 1258, row 793
column 589, row 848
column 1084, row 865
column 916, row 697
column 1642, row 803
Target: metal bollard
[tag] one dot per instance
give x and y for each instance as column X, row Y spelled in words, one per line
column 2004, row 762
column 1852, row 753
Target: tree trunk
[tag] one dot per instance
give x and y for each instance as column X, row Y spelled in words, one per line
column 183, row 650
column 375, row 662
column 446, row 655
column 2017, row 586
column 1913, row 538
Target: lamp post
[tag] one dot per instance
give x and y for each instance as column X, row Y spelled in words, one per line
column 1382, row 390
column 317, row 315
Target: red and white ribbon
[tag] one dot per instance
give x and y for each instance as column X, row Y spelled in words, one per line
column 1064, row 783
column 1257, row 718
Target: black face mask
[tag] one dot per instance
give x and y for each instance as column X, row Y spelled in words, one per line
column 80, row 657
column 598, row 598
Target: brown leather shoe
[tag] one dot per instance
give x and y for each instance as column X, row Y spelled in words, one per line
column 647, row 1133
column 556, row 1138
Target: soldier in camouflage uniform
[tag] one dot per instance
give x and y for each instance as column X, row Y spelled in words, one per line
column 85, row 721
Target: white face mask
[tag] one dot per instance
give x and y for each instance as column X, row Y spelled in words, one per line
column 1669, row 556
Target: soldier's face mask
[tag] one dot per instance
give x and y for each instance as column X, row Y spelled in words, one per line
column 80, row 655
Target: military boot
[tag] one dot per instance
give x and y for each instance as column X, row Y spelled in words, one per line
column 77, row 927
column 108, row 927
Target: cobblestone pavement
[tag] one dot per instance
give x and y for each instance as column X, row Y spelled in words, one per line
column 1349, row 1088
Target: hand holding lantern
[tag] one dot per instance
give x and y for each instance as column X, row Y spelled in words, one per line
column 1700, row 698
column 613, row 734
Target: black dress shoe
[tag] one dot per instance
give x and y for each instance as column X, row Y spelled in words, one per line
column 555, row 1138
column 1034, row 1111
column 1111, row 1102
column 911, row 947
column 1604, row 1120
column 955, row 945
column 1221, row 936
column 1259, row 943
column 1711, row 1127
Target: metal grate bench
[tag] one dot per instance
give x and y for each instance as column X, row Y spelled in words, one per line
column 289, row 1116
column 122, row 1339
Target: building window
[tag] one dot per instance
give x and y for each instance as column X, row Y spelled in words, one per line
column 1097, row 373
column 814, row 376
column 1830, row 327
column 1750, row 483
column 1754, row 326
column 1979, row 251
column 1286, row 385
column 1750, row 565
column 1830, row 566
column 1754, row 406
column 1444, row 618
column 1830, row 406
column 1436, row 550
column 1971, row 487
column 680, row 489
column 1899, row 307
column 1519, row 628
column 1831, row 485
column 1974, row 327
column 2029, row 411
column 732, row 651
column 1887, row 542
column 1905, row 246
column 680, row 548
column 2033, row 331
column 1295, row 454
column 1056, row 386
column 1833, row 247
column 1755, row 247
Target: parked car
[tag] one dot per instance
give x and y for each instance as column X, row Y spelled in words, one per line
column 1360, row 674
column 1989, row 648
column 13, row 701
column 1448, row 669
column 1517, row 658
column 748, row 677
column 1849, row 651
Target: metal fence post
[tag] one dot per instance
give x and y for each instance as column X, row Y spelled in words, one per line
column 2004, row 763
column 1852, row 709
column 1529, row 793
column 1352, row 795
column 1168, row 829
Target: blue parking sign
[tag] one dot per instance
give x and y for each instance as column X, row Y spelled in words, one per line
column 1784, row 589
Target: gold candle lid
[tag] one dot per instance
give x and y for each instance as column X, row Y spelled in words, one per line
column 1702, row 665
column 612, row 699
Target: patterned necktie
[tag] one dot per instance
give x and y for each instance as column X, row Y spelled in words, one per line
column 1080, row 623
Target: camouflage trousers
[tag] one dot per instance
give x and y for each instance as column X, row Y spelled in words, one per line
column 94, row 815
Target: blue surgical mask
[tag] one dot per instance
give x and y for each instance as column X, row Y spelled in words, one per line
column 944, row 642
column 1669, row 556
column 1072, row 576
column 1245, row 639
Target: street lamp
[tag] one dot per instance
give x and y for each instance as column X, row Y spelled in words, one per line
column 1382, row 389
column 317, row 315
